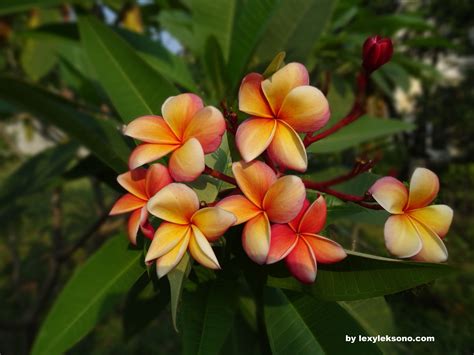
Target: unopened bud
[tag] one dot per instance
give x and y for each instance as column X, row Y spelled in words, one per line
column 376, row 52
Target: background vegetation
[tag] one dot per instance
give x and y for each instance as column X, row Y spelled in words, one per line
column 54, row 198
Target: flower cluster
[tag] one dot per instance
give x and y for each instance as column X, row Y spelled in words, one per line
column 280, row 223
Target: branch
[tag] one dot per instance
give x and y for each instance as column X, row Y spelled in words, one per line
column 218, row 175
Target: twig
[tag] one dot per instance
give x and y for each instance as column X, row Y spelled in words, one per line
column 218, row 175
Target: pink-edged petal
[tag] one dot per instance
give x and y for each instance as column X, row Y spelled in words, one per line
column 390, row 193
column 424, row 186
column 401, row 237
column 436, row 217
column 433, row 249
column 168, row 261
column 295, row 222
column 326, row 251
column 145, row 226
column 251, row 97
column 287, row 149
column 187, row 162
column 133, row 224
column 256, row 238
column 157, row 177
column 254, row 179
column 284, row 199
column 151, row 129
column 207, row 126
column 167, row 236
column 126, row 203
column 305, row 109
column 179, row 110
column 254, row 136
column 174, row 203
column 301, row 262
column 240, row 207
column 282, row 241
column 213, row 221
column 277, row 87
column 134, row 182
column 201, row 250
column 148, row 152
column 139, row 219
column 314, row 219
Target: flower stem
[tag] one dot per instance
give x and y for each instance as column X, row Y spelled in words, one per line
column 218, row 175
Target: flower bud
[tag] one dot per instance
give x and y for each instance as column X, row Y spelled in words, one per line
column 376, row 52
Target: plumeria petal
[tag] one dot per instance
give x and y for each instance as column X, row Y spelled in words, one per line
column 133, row 224
column 282, row 241
column 240, row 207
column 145, row 225
column 326, row 251
column 134, row 182
column 187, row 162
column 201, row 250
column 179, row 110
column 390, row 193
column 284, row 199
column 287, row 149
column 126, row 203
column 302, row 263
column 207, row 126
column 424, row 186
column 256, row 238
column 254, row 179
column 305, row 109
column 251, row 97
column 277, row 87
column 433, row 249
column 167, row 236
column 213, row 221
column 295, row 222
column 401, row 237
column 174, row 203
column 254, row 136
column 436, row 217
column 168, row 261
column 151, row 129
column 314, row 219
column 148, row 152
column 157, row 177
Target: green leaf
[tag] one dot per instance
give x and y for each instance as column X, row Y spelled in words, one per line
column 101, row 136
column 214, row 19
column 134, row 87
column 35, row 174
column 37, row 58
column 295, row 28
column 176, row 278
column 207, row 316
column 250, row 25
column 12, row 6
column 159, row 58
column 362, row 276
column 299, row 324
column 143, row 304
column 275, row 65
column 364, row 129
column 215, row 69
column 93, row 291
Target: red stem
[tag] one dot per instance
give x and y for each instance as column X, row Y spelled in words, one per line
column 356, row 111
column 218, row 175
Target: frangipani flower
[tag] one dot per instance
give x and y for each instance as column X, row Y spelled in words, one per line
column 280, row 106
column 266, row 199
column 299, row 244
column 185, row 226
column 141, row 184
column 187, row 129
column 415, row 229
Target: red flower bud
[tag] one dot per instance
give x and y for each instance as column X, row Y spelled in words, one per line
column 376, row 52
